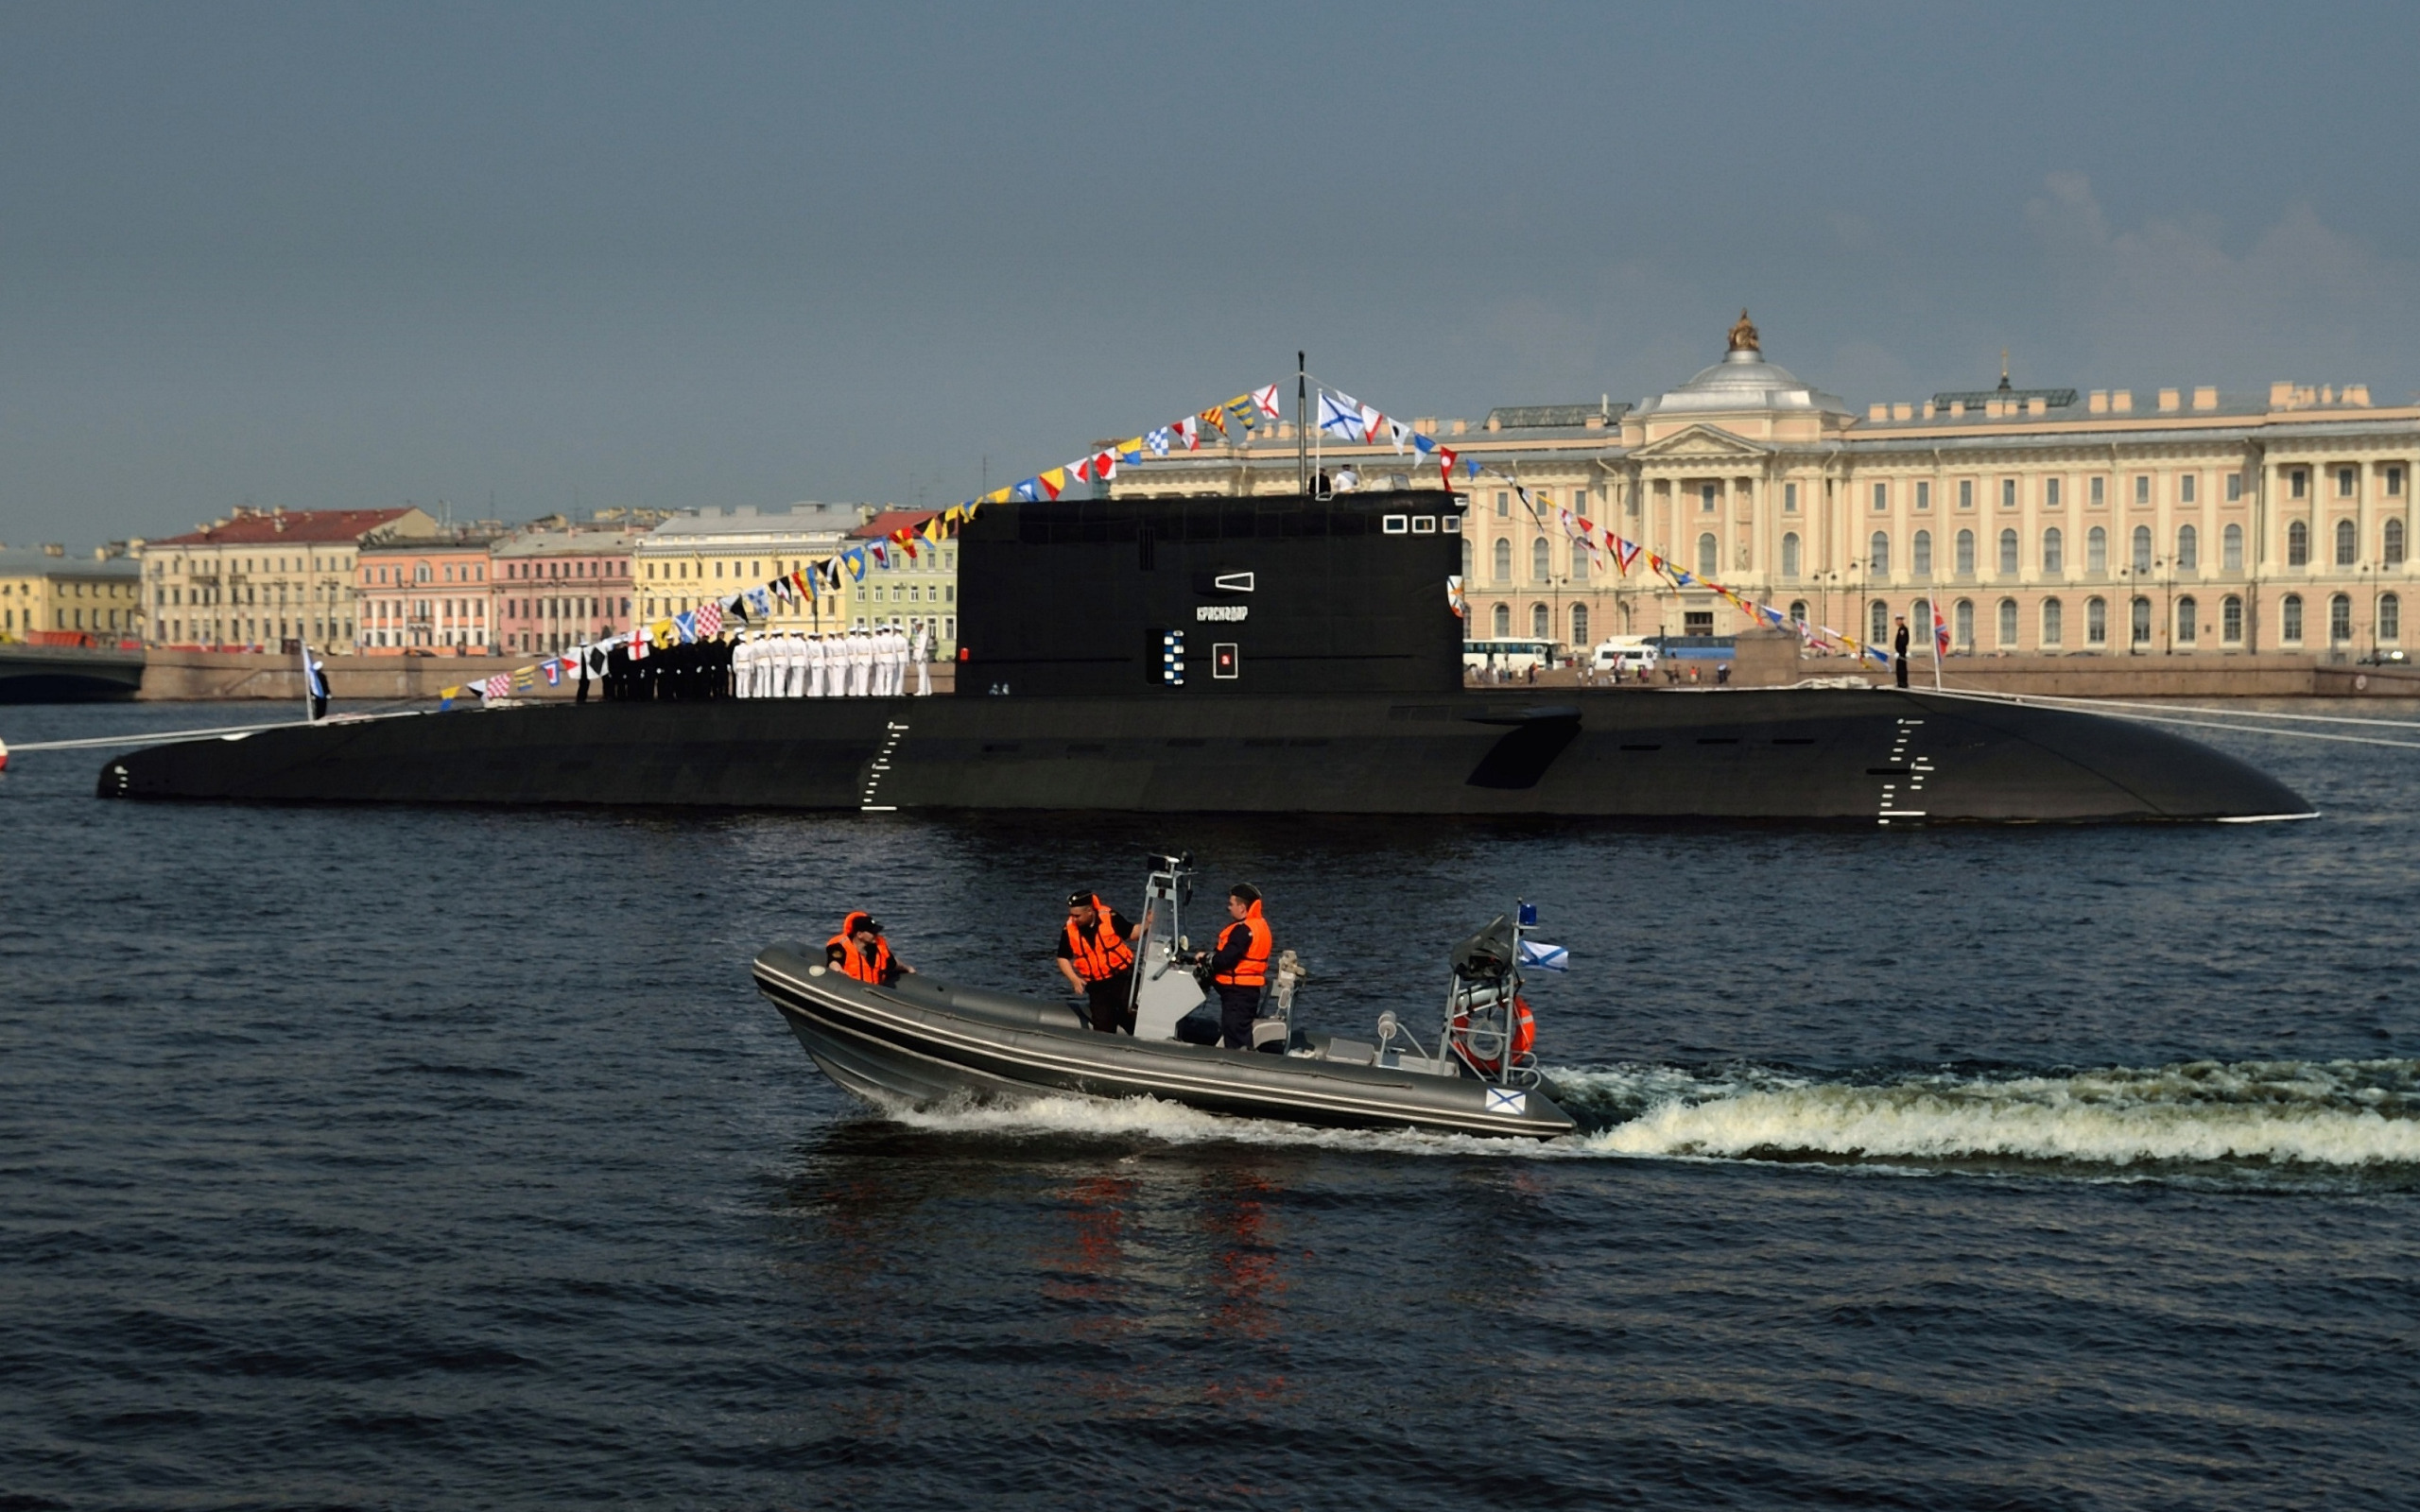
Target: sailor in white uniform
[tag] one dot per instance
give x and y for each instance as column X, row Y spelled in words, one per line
column 743, row 668
column 920, row 650
column 861, row 664
column 815, row 659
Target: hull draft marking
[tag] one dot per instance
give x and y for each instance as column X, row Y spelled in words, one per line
column 891, row 732
column 1903, row 776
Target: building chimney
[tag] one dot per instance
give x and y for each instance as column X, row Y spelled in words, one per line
column 2170, row 400
column 2281, row 395
column 2099, row 402
column 2205, row 398
column 2121, row 401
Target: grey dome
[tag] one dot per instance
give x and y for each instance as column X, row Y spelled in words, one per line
column 1743, row 380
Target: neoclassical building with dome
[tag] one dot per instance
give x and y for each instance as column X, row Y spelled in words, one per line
column 2184, row 521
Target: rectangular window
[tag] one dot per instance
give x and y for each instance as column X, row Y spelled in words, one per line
column 2051, row 494
column 2100, row 492
column 1881, row 497
column 1705, row 498
column 2344, row 482
column 2234, row 488
column 2185, row 489
column 1923, row 494
column 2007, row 494
column 1789, row 498
column 2394, row 482
column 1503, row 505
column 2142, row 487
column 2298, row 484
column 1965, row 494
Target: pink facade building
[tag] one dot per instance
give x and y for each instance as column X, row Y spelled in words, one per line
column 558, row 589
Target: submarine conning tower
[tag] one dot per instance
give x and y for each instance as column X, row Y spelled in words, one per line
column 1210, row 595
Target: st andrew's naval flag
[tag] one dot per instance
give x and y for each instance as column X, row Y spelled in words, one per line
column 1544, row 956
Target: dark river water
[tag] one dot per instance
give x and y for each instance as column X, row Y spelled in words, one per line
column 417, row 1157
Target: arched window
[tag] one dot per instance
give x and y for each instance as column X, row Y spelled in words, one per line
column 1541, row 623
column 2231, row 619
column 1579, row 565
column 1962, row 624
column 2008, row 622
column 1709, row 556
column 1965, row 554
column 2340, row 619
column 2138, row 621
column 1790, row 554
column 1579, row 624
column 2231, row 549
column 2142, row 561
column 2096, row 622
column 2290, row 619
column 2188, row 619
column 1503, row 622
column 2054, row 622
column 1798, row 611
column 2390, row 617
column 1877, row 554
column 1503, row 560
column 2188, row 548
column 1921, row 550
column 2054, row 552
column 2008, row 553
column 2392, row 553
column 1878, row 627
column 2096, row 550
column 1541, row 561
column 2298, row 543
column 2348, row 543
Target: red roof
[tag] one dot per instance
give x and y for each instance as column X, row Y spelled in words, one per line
column 279, row 529
column 884, row 525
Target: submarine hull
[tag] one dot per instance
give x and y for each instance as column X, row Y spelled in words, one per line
column 1872, row 757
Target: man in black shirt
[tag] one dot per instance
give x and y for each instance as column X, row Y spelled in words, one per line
column 1899, row 651
column 1096, row 956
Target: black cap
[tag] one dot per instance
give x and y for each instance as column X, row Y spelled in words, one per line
column 1081, row 897
column 871, row 927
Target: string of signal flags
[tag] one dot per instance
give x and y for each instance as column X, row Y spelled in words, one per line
column 1340, row 415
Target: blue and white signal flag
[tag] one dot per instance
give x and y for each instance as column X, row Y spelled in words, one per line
column 1501, row 1100
column 1528, row 918
column 1544, row 956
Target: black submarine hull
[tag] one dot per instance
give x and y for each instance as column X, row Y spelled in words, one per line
column 1869, row 757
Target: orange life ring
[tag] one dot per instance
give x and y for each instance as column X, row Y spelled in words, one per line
column 1525, row 1037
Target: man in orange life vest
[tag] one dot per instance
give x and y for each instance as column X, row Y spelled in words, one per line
column 1240, row 967
column 859, row 951
column 1096, row 956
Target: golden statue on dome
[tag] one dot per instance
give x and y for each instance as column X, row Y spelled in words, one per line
column 1743, row 335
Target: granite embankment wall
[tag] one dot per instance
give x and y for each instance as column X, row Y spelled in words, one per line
column 178, row 675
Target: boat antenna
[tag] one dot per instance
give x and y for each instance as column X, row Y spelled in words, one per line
column 1302, row 400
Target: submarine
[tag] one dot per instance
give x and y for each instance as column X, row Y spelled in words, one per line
column 1276, row 654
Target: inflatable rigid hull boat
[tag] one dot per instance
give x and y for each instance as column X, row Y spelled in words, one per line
column 924, row 1040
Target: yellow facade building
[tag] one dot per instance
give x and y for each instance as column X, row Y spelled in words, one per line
column 2184, row 521
column 266, row 578
column 715, row 553
column 47, row 593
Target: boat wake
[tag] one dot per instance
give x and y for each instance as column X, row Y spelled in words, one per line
column 2353, row 1118
column 2315, row 1115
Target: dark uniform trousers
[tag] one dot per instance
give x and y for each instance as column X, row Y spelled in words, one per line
column 1111, row 999
column 1238, row 1007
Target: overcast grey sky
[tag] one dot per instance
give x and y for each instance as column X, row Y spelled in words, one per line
column 330, row 255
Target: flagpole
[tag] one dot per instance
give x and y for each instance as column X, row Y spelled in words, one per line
column 1302, row 438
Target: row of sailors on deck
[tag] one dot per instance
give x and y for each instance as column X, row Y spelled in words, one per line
column 861, row 664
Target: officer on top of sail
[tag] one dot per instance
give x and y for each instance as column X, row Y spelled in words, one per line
column 860, row 951
column 1096, row 956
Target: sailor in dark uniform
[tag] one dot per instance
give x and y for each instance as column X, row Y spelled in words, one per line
column 1096, row 956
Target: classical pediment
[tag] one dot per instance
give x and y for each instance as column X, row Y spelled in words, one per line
column 1698, row 442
